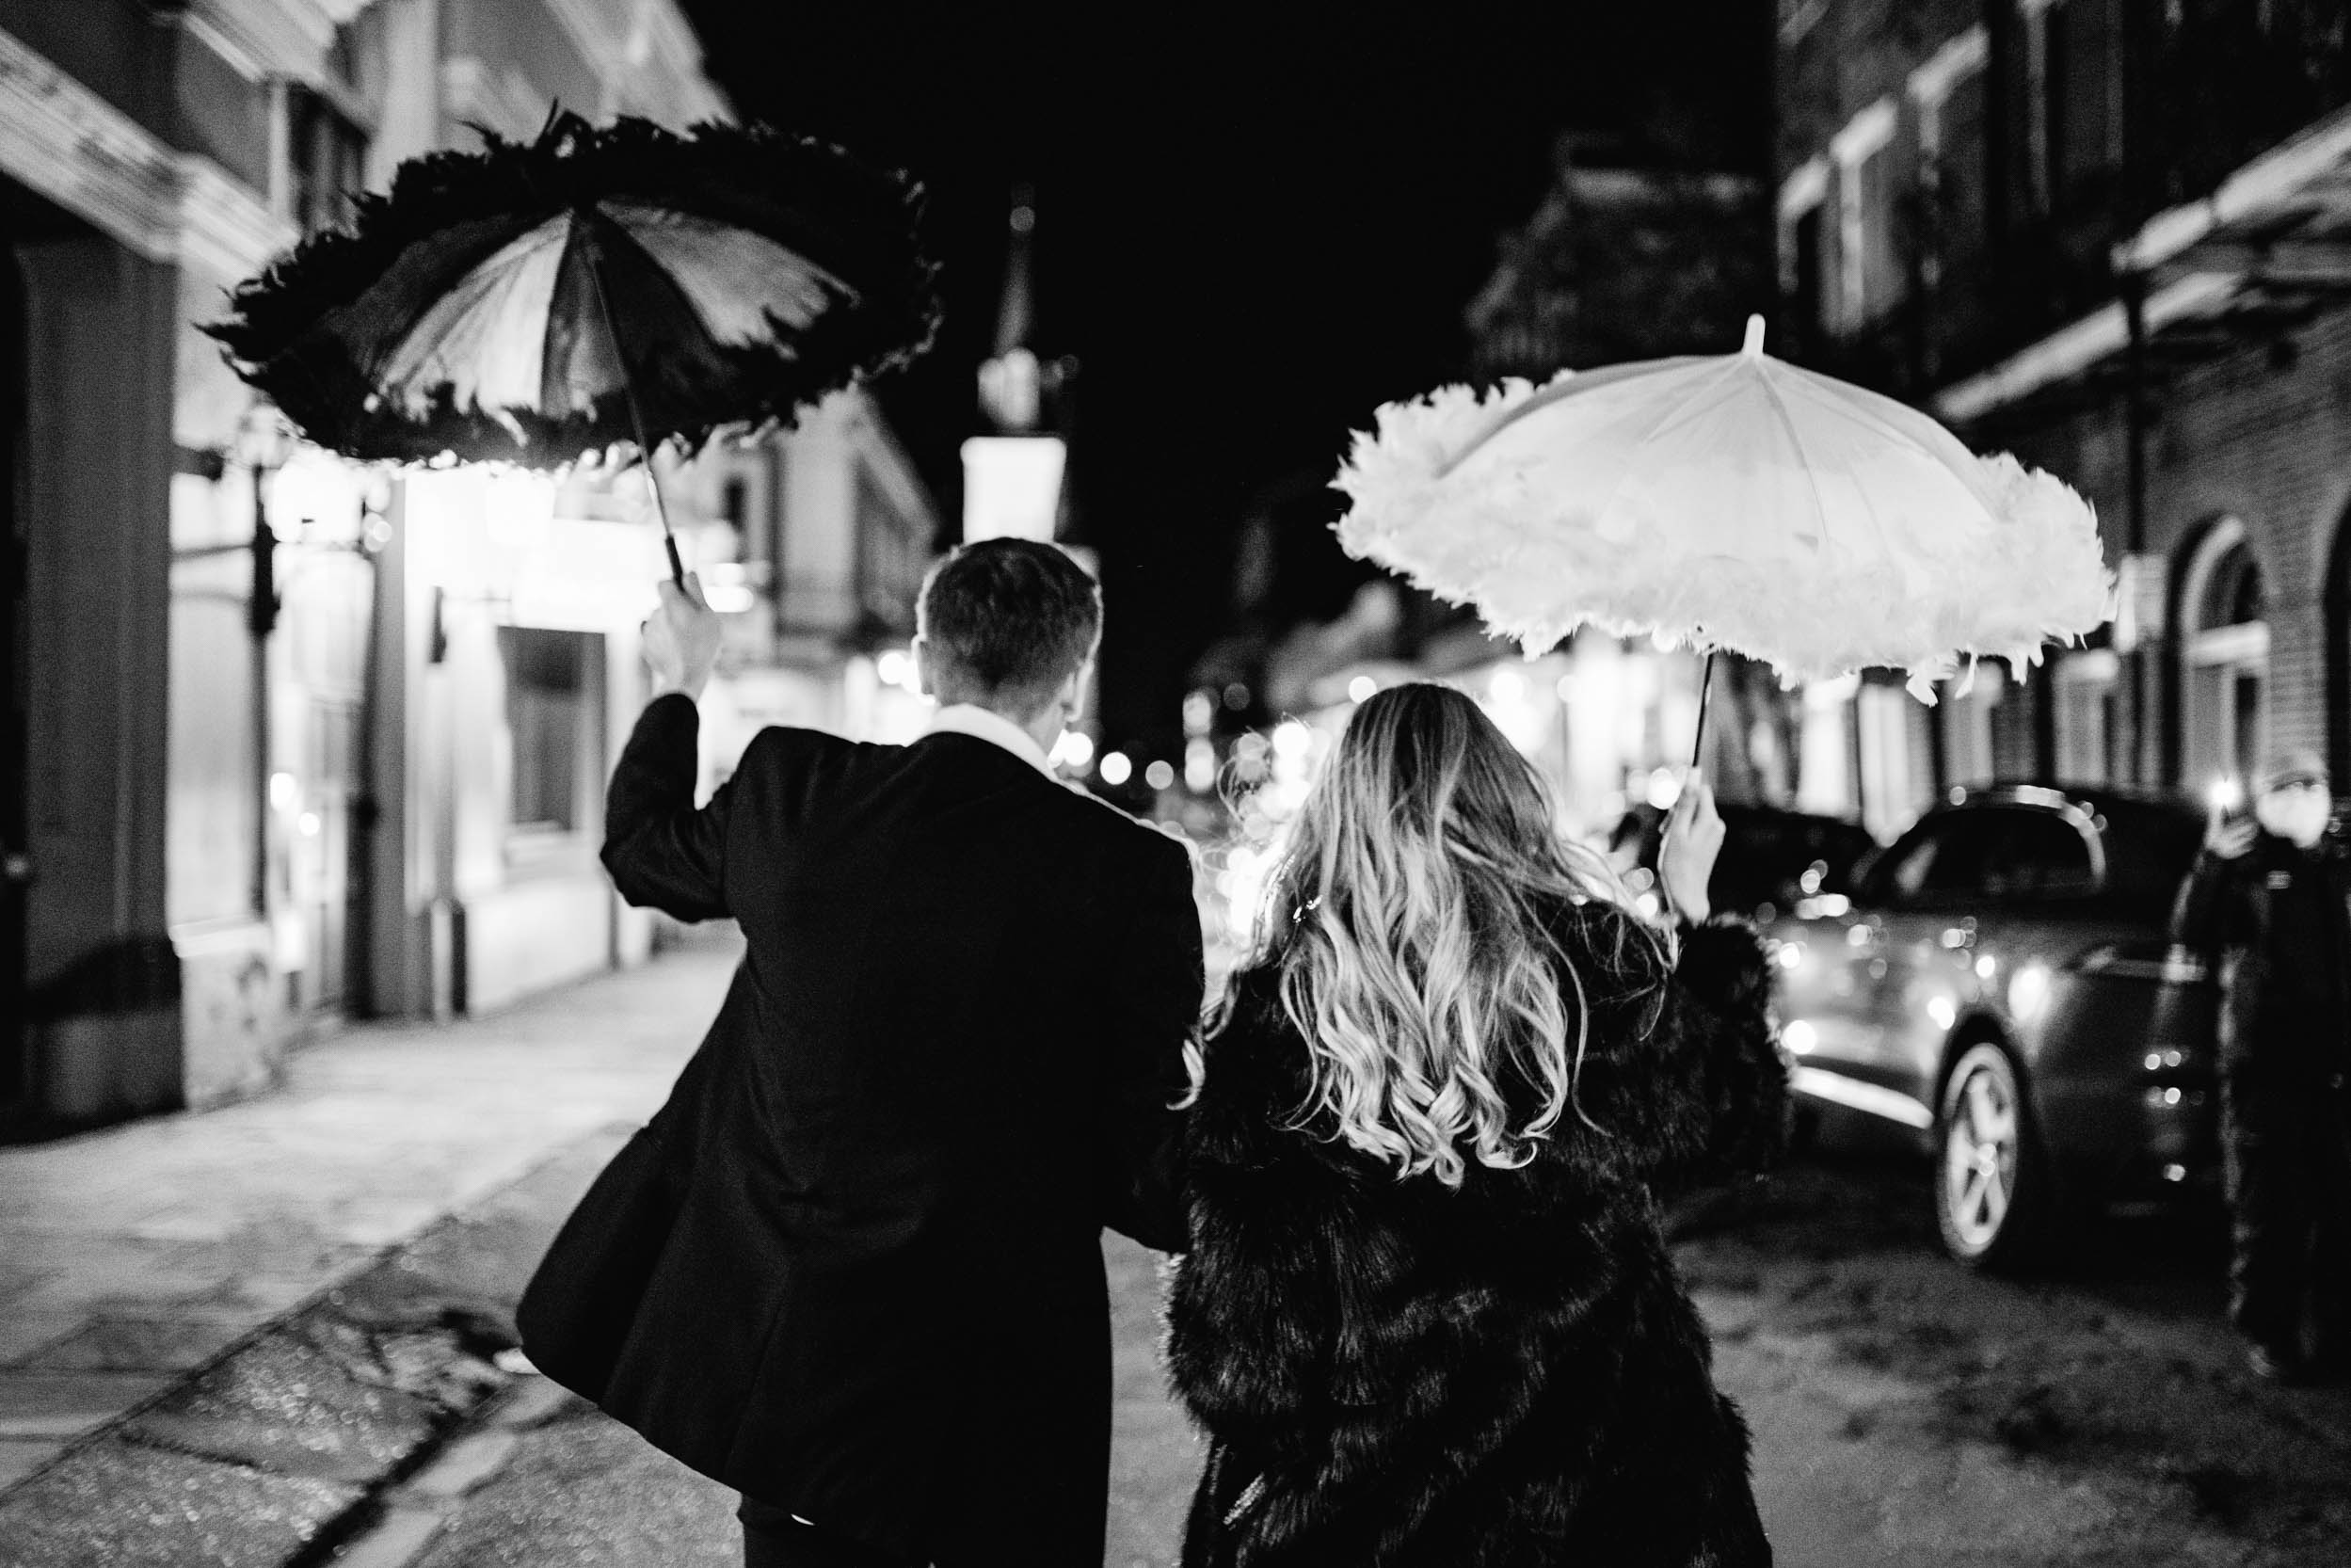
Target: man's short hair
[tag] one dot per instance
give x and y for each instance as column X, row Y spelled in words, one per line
column 1008, row 620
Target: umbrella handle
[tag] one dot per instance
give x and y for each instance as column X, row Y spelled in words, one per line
column 1705, row 689
column 636, row 415
column 1697, row 745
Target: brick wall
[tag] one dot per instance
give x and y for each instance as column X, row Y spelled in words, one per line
column 2262, row 435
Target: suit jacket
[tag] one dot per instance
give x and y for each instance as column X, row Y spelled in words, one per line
column 853, row 1267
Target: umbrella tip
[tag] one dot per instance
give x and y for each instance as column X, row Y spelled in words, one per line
column 1754, row 345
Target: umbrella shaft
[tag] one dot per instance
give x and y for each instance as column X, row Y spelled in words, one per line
column 636, row 415
column 1705, row 689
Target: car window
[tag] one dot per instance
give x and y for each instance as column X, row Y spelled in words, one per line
column 1929, row 860
column 2149, row 853
column 2041, row 856
column 1989, row 854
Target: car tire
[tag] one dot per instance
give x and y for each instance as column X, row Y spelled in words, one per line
column 1992, row 1198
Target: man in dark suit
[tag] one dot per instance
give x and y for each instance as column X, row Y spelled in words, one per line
column 853, row 1267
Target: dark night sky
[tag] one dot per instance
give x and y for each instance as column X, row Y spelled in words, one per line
column 1252, row 227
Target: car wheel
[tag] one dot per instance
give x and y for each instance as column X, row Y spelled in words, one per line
column 1991, row 1183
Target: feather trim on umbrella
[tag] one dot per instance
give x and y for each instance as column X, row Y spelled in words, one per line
column 474, row 308
column 1730, row 501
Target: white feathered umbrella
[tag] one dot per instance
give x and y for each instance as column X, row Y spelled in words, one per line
column 1726, row 501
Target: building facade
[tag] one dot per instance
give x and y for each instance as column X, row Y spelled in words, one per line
column 289, row 739
column 2107, row 236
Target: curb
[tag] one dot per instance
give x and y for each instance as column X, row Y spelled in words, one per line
column 395, row 1528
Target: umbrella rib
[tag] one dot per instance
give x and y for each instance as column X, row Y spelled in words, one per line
column 1689, row 400
column 1820, row 510
column 1847, row 409
column 1854, row 413
column 1663, row 420
column 1573, row 386
column 1868, row 420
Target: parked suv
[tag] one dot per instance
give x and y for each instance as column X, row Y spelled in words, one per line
column 1998, row 984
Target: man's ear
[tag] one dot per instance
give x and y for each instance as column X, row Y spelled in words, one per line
column 1073, row 693
column 922, row 683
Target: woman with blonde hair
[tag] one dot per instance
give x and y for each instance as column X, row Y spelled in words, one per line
column 1428, row 1316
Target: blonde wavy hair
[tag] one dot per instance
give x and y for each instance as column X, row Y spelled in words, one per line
column 1411, row 915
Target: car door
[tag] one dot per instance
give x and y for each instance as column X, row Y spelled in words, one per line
column 1930, row 907
column 2042, row 880
column 1838, row 981
column 2007, row 894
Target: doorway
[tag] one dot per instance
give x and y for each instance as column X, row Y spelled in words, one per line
column 2224, row 655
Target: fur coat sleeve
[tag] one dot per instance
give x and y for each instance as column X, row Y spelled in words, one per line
column 1385, row 1354
column 1682, row 1073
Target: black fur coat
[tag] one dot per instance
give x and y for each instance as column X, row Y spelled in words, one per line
column 1398, row 1374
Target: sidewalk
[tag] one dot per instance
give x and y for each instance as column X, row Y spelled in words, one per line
column 132, row 1256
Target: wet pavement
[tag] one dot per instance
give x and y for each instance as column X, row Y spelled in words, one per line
column 135, row 1258
column 244, row 1373
column 578, row 1490
column 1908, row 1411
column 285, row 1448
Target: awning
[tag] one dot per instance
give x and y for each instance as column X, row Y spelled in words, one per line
column 2267, row 250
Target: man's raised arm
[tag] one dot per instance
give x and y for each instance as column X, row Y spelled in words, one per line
column 660, row 851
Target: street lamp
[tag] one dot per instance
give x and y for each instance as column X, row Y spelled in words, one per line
column 264, row 443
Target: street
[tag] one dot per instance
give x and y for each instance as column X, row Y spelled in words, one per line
column 1908, row 1411
column 1905, row 1410
column 1905, row 1413
column 581, row 1491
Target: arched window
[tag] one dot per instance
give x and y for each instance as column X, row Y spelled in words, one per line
column 2224, row 657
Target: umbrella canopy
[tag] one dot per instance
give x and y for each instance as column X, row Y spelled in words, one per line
column 1726, row 501
column 534, row 301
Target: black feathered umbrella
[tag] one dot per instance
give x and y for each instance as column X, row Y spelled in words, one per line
column 535, row 302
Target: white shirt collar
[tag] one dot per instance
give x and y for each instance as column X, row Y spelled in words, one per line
column 965, row 718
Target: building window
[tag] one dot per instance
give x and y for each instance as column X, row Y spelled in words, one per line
column 1948, row 92
column 1968, row 754
column 1827, row 762
column 326, row 160
column 2086, row 731
column 2224, row 650
column 1872, row 278
column 554, row 710
column 1804, row 269
column 1891, row 733
column 2074, row 61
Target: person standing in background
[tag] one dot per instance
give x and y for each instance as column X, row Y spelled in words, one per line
column 2269, row 907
